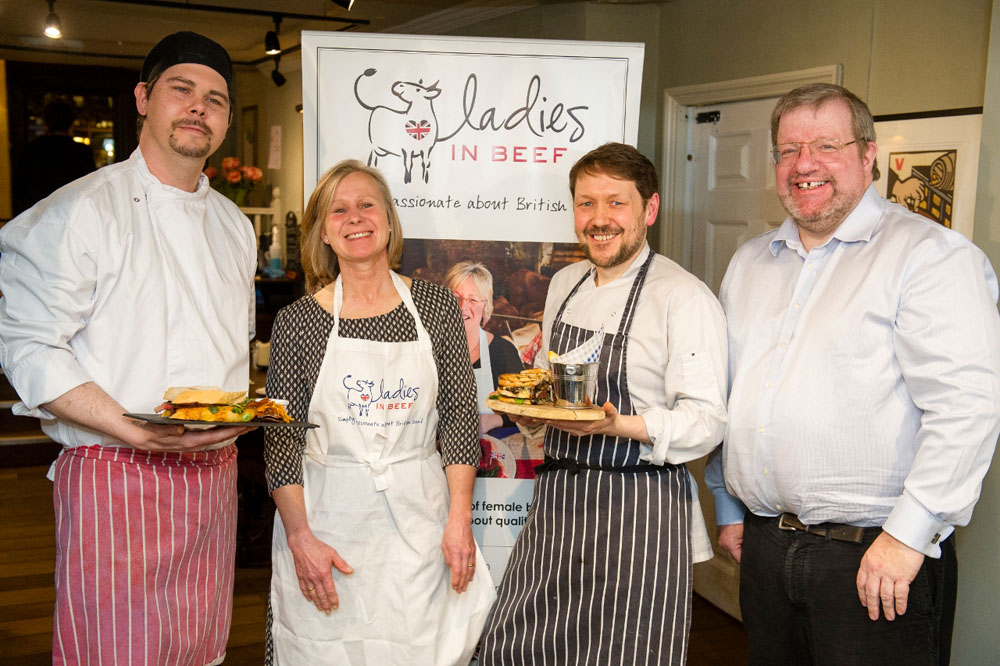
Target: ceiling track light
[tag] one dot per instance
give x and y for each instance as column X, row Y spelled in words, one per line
column 346, row 4
column 271, row 44
column 53, row 27
column 276, row 76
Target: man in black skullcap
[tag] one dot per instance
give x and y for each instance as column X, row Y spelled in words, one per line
column 133, row 279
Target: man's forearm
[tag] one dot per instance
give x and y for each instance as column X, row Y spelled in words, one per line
column 89, row 406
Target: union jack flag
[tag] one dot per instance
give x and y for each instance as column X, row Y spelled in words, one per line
column 417, row 129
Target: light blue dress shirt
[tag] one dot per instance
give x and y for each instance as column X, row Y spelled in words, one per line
column 864, row 376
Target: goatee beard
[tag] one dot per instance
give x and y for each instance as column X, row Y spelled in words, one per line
column 195, row 151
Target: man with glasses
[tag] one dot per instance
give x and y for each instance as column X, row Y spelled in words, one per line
column 865, row 372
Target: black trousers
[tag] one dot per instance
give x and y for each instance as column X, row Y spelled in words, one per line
column 800, row 604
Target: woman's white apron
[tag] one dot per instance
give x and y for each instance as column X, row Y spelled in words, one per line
column 375, row 490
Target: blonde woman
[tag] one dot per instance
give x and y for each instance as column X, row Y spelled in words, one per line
column 373, row 557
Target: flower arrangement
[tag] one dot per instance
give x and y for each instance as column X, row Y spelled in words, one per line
column 235, row 182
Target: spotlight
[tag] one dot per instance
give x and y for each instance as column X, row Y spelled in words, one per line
column 271, row 44
column 276, row 76
column 346, row 4
column 53, row 28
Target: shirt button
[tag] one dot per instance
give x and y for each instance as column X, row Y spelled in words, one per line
column 783, row 344
column 767, row 384
column 765, row 471
column 779, row 507
column 797, row 305
column 760, row 428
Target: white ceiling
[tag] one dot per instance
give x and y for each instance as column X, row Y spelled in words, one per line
column 121, row 32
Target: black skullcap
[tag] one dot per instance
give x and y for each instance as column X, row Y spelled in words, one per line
column 183, row 47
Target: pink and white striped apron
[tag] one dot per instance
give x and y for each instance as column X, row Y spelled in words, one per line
column 145, row 547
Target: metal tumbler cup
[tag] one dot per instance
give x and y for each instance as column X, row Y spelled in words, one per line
column 574, row 384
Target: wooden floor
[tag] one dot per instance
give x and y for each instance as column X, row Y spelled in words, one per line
column 27, row 556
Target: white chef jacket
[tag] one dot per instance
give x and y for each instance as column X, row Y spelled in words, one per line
column 123, row 281
column 676, row 364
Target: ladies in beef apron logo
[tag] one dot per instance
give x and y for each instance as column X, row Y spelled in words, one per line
column 363, row 396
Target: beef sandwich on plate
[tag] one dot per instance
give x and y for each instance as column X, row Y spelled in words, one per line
column 208, row 403
column 528, row 387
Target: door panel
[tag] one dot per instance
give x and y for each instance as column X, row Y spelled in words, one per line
column 732, row 196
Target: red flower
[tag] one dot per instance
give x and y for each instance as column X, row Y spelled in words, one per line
column 235, row 181
column 211, row 172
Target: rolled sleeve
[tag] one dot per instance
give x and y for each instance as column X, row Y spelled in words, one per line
column 47, row 277
column 694, row 420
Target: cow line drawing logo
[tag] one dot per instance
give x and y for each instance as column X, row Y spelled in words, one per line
column 360, row 395
column 409, row 133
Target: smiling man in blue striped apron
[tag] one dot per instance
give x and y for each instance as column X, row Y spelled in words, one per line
column 601, row 572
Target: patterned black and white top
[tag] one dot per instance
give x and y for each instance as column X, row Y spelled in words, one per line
column 298, row 345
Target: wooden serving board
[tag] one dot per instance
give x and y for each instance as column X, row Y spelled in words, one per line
column 546, row 411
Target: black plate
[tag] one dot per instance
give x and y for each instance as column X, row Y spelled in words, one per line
column 156, row 418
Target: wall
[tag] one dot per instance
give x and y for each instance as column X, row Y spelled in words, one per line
column 275, row 106
column 898, row 55
column 976, row 639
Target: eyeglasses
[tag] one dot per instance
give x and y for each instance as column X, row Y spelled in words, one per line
column 462, row 300
column 822, row 150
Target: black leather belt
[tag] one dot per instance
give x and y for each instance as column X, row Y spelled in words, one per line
column 574, row 467
column 790, row 523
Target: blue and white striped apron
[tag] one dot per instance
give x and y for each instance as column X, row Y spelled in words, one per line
column 601, row 572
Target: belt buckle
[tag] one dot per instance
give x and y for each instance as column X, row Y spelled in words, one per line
column 787, row 527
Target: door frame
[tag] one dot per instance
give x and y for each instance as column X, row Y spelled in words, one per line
column 676, row 239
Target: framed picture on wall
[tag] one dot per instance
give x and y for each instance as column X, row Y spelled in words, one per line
column 929, row 163
column 248, row 135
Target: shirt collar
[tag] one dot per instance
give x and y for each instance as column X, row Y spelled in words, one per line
column 859, row 225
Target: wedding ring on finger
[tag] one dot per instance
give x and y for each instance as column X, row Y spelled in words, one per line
column 472, row 566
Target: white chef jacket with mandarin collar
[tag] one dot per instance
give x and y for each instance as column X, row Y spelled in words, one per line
column 123, row 281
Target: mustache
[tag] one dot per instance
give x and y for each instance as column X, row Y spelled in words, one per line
column 193, row 123
column 595, row 229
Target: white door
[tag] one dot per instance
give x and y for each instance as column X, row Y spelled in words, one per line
column 732, row 194
column 732, row 200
